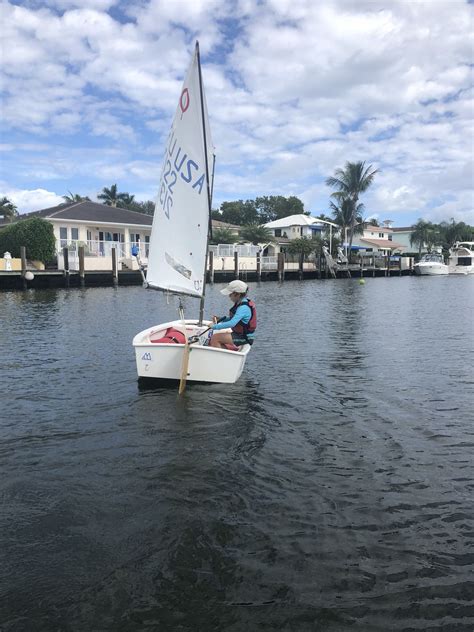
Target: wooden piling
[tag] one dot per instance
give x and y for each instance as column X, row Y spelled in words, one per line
column 82, row 276
column 236, row 265
column 114, row 267
column 259, row 267
column 211, row 266
column 66, row 266
column 281, row 266
column 373, row 265
column 23, row 266
column 301, row 267
column 361, row 266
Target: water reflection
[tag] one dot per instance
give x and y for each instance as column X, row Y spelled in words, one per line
column 321, row 491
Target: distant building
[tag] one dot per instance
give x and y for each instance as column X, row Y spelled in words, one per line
column 286, row 229
column 377, row 239
column 402, row 235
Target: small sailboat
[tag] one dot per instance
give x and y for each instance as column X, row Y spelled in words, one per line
column 177, row 259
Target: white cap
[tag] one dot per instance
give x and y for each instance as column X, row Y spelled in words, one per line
column 235, row 286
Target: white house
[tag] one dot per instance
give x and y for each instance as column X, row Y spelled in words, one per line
column 377, row 239
column 295, row 227
column 98, row 228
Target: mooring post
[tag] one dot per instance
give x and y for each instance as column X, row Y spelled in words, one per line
column 236, row 265
column 114, row 267
column 259, row 267
column 211, row 266
column 387, row 264
column 23, row 266
column 301, row 266
column 66, row 266
column 361, row 266
column 373, row 266
column 82, row 278
column 281, row 266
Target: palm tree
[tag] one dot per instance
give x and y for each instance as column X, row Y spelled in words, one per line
column 75, row 197
column 349, row 183
column 342, row 215
column 303, row 246
column 223, row 236
column 112, row 197
column 125, row 200
column 256, row 234
column 7, row 208
column 422, row 234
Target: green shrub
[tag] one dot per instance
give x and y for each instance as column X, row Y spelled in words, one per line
column 36, row 234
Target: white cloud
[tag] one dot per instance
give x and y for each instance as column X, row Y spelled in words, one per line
column 32, row 200
column 295, row 88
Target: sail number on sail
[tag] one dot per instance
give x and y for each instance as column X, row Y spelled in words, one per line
column 178, row 167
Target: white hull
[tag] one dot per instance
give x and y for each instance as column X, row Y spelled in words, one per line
column 206, row 364
column 430, row 269
column 453, row 269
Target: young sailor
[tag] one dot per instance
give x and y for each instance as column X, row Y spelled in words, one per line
column 242, row 318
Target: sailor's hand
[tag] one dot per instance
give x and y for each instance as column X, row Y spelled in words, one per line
column 215, row 319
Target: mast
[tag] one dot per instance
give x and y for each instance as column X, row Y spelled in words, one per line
column 209, row 200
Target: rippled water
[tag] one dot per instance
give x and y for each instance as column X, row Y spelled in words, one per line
column 330, row 489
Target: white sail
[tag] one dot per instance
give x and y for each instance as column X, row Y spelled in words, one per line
column 178, row 242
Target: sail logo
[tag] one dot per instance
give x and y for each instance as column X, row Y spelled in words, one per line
column 146, row 356
column 184, row 101
column 178, row 167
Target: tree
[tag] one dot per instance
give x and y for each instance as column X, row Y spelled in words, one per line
column 239, row 212
column 125, row 200
column 272, row 207
column 342, row 215
column 36, row 234
column 450, row 232
column 111, row 197
column 350, row 183
column 8, row 209
column 303, row 246
column 422, row 234
column 75, row 197
column 223, row 236
column 256, row 234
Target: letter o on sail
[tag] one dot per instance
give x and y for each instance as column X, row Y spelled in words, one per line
column 184, row 100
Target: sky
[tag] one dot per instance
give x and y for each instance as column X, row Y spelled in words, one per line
column 295, row 89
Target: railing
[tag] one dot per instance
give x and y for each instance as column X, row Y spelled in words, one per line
column 269, row 263
column 95, row 248
column 228, row 250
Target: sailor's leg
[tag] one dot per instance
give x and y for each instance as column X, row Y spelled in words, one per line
column 221, row 339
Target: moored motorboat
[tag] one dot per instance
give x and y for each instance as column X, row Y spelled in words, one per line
column 461, row 258
column 431, row 264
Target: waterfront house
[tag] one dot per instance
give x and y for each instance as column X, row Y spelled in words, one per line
column 98, row 228
column 299, row 226
column 377, row 240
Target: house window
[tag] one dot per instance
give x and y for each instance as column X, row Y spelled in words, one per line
column 390, row 237
column 89, row 235
column 134, row 237
column 301, row 230
column 75, row 234
column 277, row 232
column 381, row 235
column 147, row 244
column 63, row 236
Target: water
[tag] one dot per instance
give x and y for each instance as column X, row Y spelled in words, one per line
column 330, row 489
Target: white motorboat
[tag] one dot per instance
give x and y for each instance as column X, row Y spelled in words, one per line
column 431, row 264
column 177, row 259
column 461, row 258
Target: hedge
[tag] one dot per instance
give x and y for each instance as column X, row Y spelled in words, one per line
column 36, row 234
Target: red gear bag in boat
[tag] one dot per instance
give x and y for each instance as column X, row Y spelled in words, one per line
column 172, row 336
